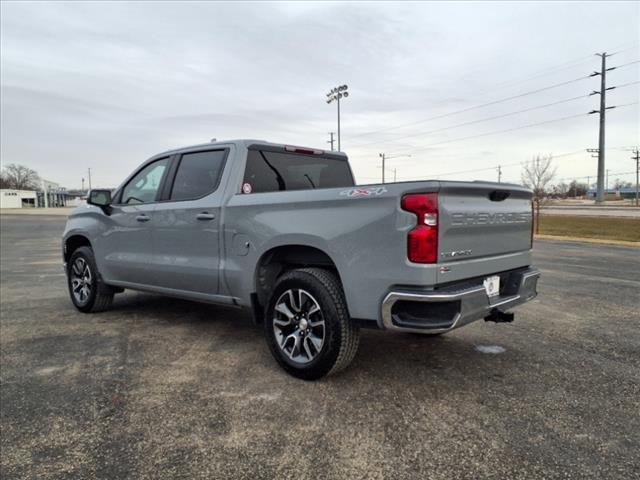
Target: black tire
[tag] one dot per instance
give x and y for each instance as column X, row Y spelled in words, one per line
column 321, row 289
column 95, row 295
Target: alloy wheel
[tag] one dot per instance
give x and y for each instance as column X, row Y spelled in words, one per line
column 81, row 280
column 298, row 324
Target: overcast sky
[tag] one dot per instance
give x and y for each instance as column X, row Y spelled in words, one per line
column 106, row 85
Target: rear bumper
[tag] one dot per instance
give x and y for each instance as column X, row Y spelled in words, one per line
column 441, row 310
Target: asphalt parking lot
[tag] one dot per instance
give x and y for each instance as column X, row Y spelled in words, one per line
column 162, row 388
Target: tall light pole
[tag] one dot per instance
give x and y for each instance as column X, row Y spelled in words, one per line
column 386, row 157
column 335, row 95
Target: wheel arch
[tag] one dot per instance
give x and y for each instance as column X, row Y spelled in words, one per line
column 279, row 259
column 72, row 243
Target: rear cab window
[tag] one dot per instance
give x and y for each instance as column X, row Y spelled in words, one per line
column 268, row 170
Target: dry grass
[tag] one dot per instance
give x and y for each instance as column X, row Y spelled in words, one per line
column 607, row 228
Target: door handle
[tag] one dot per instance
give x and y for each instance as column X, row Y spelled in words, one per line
column 205, row 216
column 143, row 218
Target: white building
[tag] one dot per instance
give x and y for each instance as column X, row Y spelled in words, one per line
column 51, row 194
column 18, row 199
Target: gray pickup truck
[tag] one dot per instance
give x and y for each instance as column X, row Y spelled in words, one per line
column 284, row 231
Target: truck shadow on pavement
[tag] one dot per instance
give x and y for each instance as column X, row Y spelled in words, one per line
column 232, row 331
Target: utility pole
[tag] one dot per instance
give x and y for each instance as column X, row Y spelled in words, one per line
column 335, row 95
column 386, row 157
column 637, row 159
column 603, row 109
column 395, row 176
column 606, row 188
column 594, row 154
column 83, row 184
column 89, row 177
column 331, row 140
column 499, row 169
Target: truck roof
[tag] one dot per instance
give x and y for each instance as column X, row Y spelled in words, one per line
column 245, row 142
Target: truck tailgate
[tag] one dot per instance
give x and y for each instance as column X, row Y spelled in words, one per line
column 483, row 221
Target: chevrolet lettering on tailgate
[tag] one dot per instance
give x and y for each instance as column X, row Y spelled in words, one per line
column 489, row 218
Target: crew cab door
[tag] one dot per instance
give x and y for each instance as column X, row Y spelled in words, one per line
column 186, row 234
column 125, row 252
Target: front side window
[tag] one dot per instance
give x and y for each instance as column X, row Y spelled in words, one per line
column 198, row 174
column 276, row 171
column 143, row 188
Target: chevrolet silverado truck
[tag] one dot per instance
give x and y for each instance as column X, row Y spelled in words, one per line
column 285, row 232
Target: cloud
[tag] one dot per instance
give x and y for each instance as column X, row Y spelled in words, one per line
column 106, row 85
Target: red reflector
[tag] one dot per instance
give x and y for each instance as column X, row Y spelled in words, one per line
column 305, row 151
column 422, row 245
column 422, row 241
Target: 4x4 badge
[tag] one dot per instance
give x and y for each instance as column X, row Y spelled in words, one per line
column 364, row 192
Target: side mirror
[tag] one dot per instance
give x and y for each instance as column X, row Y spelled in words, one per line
column 100, row 198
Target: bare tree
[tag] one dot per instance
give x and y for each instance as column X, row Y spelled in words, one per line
column 620, row 184
column 537, row 175
column 4, row 183
column 19, row 177
column 559, row 191
column 577, row 189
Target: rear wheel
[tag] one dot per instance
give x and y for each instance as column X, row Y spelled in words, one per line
column 88, row 293
column 307, row 325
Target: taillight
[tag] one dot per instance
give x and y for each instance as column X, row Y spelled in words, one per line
column 422, row 241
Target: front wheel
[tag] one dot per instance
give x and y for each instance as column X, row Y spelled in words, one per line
column 86, row 290
column 307, row 324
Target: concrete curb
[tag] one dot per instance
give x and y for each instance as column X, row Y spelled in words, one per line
column 622, row 243
column 62, row 211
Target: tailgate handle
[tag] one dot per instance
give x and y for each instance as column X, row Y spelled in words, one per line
column 499, row 195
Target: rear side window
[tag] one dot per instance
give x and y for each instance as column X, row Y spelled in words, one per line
column 275, row 171
column 198, row 174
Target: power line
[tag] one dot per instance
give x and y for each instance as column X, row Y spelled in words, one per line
column 554, row 120
column 503, row 165
column 546, row 72
column 626, row 84
column 495, row 102
column 633, row 46
column 614, row 174
column 495, row 117
column 550, row 70
column 624, row 64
